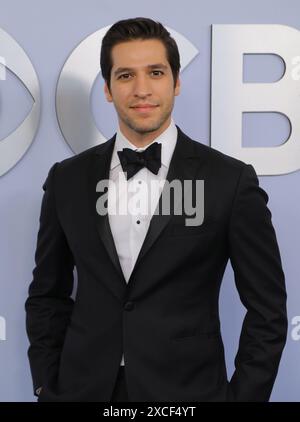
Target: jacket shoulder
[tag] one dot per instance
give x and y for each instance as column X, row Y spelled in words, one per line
column 77, row 165
column 215, row 157
column 85, row 155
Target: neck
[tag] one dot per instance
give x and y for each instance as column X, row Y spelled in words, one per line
column 141, row 140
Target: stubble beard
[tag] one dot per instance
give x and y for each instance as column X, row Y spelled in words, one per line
column 150, row 127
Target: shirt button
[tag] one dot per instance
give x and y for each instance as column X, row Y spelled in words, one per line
column 129, row 306
column 138, row 222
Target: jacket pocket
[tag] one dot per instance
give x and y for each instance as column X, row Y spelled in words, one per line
column 208, row 227
column 194, row 333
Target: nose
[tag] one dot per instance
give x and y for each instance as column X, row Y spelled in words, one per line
column 142, row 86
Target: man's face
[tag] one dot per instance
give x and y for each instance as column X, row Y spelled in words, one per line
column 141, row 87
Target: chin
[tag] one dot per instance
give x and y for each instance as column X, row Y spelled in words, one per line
column 147, row 129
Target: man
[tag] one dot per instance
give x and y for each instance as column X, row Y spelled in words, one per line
column 144, row 325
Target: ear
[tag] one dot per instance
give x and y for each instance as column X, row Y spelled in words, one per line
column 177, row 87
column 107, row 93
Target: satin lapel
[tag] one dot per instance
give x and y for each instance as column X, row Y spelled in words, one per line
column 183, row 166
column 99, row 170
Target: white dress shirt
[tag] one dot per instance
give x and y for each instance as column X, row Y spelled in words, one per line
column 132, row 203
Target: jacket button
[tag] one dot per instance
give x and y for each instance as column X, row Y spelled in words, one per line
column 129, row 306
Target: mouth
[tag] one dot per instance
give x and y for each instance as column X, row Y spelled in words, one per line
column 144, row 108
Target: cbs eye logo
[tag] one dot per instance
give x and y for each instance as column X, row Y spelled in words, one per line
column 14, row 58
column 73, row 92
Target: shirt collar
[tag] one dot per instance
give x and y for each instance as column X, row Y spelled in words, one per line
column 167, row 139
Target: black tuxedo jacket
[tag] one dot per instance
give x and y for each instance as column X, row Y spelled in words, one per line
column 166, row 319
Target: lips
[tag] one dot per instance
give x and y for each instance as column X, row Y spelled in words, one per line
column 144, row 107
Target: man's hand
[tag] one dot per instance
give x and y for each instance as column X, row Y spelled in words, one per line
column 38, row 391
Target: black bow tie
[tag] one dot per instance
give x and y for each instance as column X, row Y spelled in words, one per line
column 133, row 161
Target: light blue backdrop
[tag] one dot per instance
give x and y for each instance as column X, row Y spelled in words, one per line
column 49, row 31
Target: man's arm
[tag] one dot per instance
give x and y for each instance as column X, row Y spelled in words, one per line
column 49, row 306
column 259, row 278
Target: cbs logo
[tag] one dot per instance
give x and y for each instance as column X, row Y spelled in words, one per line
column 72, row 95
column 230, row 96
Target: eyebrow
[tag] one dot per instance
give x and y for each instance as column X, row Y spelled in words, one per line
column 129, row 69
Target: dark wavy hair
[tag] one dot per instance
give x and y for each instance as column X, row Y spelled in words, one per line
column 133, row 29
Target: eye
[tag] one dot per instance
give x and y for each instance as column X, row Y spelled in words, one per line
column 157, row 72
column 16, row 103
column 124, row 76
column 14, row 143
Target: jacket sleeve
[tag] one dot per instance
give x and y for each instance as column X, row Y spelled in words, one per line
column 259, row 279
column 49, row 305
